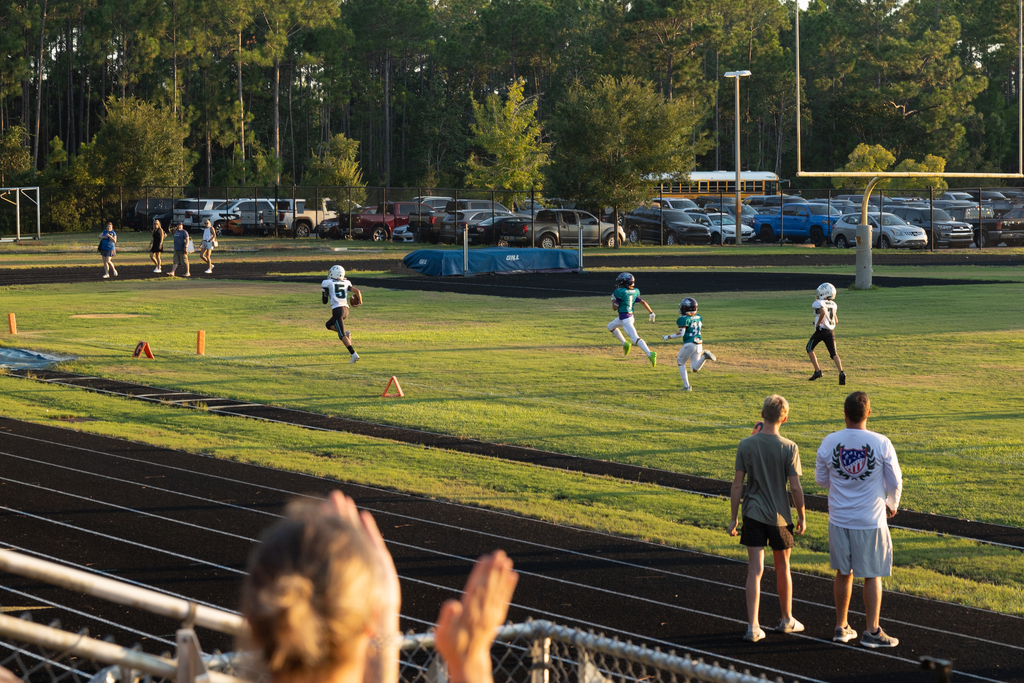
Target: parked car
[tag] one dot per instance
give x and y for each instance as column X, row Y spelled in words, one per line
column 454, row 223
column 956, row 196
column 474, row 205
column 188, row 211
column 403, row 233
column 839, row 206
column 760, row 202
column 948, row 232
column 891, row 231
column 488, row 231
column 728, row 205
column 301, row 218
column 988, row 232
column 558, row 227
column 381, row 223
column 797, row 223
column 432, row 201
column 139, row 215
column 338, row 227
column 1011, row 226
column 999, row 202
column 254, row 216
column 723, row 227
column 644, row 224
column 674, row 203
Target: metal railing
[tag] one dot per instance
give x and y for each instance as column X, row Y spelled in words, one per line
column 532, row 652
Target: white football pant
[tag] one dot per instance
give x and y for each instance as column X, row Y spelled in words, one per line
column 694, row 353
column 626, row 325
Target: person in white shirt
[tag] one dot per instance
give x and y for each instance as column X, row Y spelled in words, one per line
column 860, row 470
column 206, row 249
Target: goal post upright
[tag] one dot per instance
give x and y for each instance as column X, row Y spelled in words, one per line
column 863, row 272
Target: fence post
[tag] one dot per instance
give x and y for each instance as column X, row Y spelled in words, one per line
column 17, row 213
column 981, row 223
column 931, row 217
column 533, row 218
column 661, row 211
column 540, row 654
column 316, row 212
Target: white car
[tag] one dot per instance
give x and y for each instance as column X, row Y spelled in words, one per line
column 403, row 234
column 895, row 232
column 723, row 229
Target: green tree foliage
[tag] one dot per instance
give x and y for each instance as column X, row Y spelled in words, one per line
column 337, row 166
column 15, row 157
column 140, row 144
column 612, row 138
column 877, row 158
column 510, row 136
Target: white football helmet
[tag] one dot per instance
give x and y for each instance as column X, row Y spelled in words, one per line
column 826, row 291
column 338, row 273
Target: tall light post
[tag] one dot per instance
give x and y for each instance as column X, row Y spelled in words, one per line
column 739, row 207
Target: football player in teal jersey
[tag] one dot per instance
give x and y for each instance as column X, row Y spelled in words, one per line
column 690, row 326
column 624, row 298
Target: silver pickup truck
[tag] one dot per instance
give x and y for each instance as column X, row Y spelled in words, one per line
column 304, row 216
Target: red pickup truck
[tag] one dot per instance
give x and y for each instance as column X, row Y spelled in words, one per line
column 379, row 225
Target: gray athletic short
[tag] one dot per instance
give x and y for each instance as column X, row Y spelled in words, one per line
column 865, row 552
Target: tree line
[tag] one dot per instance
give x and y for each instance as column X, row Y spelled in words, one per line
column 395, row 92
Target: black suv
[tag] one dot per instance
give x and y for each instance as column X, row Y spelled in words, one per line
column 948, row 232
column 139, row 216
column 643, row 224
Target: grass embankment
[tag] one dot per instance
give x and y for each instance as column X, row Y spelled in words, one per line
column 940, row 364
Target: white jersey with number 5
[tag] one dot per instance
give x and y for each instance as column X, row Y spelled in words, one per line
column 337, row 292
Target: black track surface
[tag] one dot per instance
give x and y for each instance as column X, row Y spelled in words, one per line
column 650, row 593
column 989, row 533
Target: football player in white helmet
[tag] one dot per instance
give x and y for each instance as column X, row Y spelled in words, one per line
column 690, row 325
column 825, row 320
column 334, row 291
column 623, row 299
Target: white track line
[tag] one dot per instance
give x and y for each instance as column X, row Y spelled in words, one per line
column 436, row 502
column 226, row 410
column 483, row 534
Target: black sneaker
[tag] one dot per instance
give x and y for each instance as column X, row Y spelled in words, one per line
column 842, row 378
column 876, row 640
column 816, row 375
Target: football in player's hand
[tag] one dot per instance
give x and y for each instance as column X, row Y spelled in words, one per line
column 758, row 426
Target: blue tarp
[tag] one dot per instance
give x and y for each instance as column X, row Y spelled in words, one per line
column 496, row 260
column 20, row 359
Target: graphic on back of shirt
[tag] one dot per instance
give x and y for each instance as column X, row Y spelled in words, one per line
column 627, row 298
column 829, row 308
column 337, row 292
column 691, row 326
column 853, row 463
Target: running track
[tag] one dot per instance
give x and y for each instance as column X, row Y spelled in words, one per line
column 185, row 523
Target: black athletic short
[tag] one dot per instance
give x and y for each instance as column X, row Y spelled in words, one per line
column 823, row 334
column 336, row 323
column 757, row 534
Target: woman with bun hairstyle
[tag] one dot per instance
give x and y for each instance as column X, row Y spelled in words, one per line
column 322, row 600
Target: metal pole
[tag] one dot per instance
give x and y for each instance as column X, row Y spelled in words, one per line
column 349, row 212
column 661, row 211
column 533, row 219
column 17, row 214
column 738, row 234
column 579, row 227
column 863, row 278
column 931, row 217
column 981, row 223
column 39, row 218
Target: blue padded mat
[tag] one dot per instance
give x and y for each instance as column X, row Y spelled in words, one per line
column 440, row 262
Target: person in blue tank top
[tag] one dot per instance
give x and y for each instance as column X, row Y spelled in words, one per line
column 624, row 298
column 108, row 247
column 690, row 326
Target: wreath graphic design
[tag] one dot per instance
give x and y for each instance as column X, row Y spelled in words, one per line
column 870, row 464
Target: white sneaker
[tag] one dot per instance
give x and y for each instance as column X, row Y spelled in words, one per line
column 106, row 275
column 157, row 270
column 710, row 356
column 208, row 271
column 687, row 388
column 355, row 357
column 115, row 273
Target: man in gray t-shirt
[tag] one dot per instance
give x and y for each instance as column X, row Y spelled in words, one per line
column 768, row 461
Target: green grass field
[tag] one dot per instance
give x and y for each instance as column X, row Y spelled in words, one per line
column 940, row 363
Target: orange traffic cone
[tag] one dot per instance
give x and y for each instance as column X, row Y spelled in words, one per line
column 398, row 388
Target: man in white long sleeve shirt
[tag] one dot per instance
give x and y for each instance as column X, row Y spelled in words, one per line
column 860, row 470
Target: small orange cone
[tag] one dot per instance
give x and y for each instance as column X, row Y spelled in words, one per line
column 142, row 348
column 12, row 322
column 201, row 343
column 398, row 388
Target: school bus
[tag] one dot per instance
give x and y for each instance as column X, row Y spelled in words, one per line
column 704, row 183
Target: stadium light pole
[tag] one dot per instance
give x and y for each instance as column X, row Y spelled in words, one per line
column 739, row 209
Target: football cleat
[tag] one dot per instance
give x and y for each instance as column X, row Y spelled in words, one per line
column 688, row 305
column 654, row 359
column 816, row 375
column 336, row 273
column 826, row 291
column 355, row 357
column 842, row 378
column 626, row 348
column 687, row 388
column 625, row 280
column 710, row 356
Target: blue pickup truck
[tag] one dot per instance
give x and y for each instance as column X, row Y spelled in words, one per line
column 797, row 223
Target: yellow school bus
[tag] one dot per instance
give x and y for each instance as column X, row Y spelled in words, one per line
column 704, row 183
